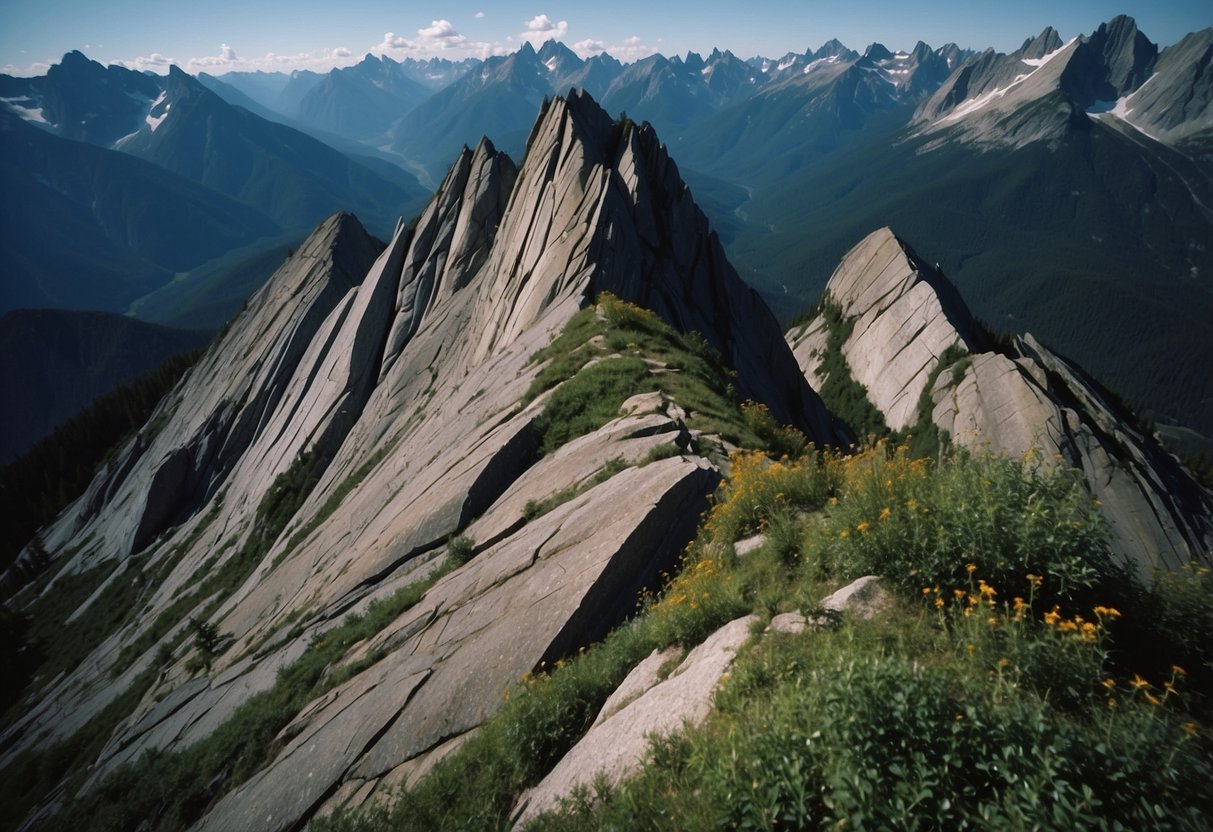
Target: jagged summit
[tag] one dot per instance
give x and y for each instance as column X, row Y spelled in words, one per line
column 926, row 363
column 1047, row 89
column 371, row 404
column 1044, row 43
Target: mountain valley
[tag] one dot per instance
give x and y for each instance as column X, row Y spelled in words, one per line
column 790, row 489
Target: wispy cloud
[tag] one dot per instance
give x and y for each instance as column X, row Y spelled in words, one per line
column 36, row 68
column 318, row 60
column 632, row 49
column 439, row 38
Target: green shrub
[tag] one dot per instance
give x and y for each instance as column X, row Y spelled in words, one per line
column 920, row 525
column 591, row 398
column 460, row 550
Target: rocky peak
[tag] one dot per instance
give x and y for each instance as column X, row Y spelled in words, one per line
column 877, row 52
column 829, row 49
column 1114, row 61
column 910, row 315
column 600, row 206
column 924, row 361
column 1041, row 45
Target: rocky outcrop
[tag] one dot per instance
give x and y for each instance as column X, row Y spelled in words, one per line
column 364, row 410
column 905, row 315
column 901, row 316
column 642, row 707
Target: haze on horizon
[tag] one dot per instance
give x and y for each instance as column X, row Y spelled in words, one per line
column 225, row 35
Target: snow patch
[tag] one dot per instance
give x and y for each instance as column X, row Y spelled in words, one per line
column 155, row 121
column 33, row 114
column 1120, row 110
column 833, row 59
column 1044, row 59
column 550, row 63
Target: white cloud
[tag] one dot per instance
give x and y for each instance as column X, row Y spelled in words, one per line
column 589, row 46
column 442, row 34
column 479, row 15
column 439, row 38
column 226, row 58
column 36, row 68
column 155, row 62
column 317, row 60
column 392, row 42
column 541, row 29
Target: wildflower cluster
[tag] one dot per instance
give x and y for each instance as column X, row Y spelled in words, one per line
column 905, row 519
column 759, row 488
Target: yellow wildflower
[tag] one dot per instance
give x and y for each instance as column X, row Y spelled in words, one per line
column 1052, row 617
column 1137, row 682
column 1109, row 683
column 1190, row 727
column 885, row 513
column 938, row 603
column 863, row 527
column 1035, row 581
column 1178, row 671
column 844, row 534
column 970, row 568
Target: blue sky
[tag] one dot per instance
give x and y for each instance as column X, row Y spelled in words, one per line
column 221, row 35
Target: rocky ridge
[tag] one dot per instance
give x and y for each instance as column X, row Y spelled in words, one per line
column 1046, row 88
column 923, row 358
column 363, row 411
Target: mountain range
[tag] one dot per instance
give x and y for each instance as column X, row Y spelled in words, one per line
column 1064, row 187
column 411, row 474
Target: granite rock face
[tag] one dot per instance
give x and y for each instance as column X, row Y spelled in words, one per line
column 904, row 316
column 617, row 743
column 397, row 373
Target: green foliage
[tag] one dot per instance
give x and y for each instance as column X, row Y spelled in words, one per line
column 206, row 643
column 460, row 550
column 615, row 330
column 591, row 398
column 36, row 773
column 920, row 525
column 843, row 395
column 197, row 776
column 995, row 697
column 779, row 440
column 924, row 438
